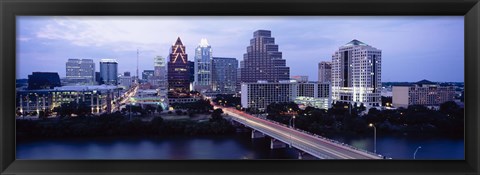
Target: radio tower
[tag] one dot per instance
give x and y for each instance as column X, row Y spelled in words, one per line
column 137, row 66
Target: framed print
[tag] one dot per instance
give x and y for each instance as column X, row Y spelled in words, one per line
column 153, row 87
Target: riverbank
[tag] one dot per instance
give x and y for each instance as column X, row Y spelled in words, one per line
column 118, row 125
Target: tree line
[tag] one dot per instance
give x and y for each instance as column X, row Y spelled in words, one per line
column 346, row 118
column 119, row 124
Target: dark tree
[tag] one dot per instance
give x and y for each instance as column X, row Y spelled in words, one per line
column 179, row 112
column 217, row 115
column 449, row 107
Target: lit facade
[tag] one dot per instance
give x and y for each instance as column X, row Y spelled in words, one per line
column 178, row 68
column 325, row 71
column 356, row 74
column 263, row 61
column 80, row 71
column 109, row 71
column 99, row 98
column 259, row 95
column 203, row 67
column 224, row 75
column 428, row 94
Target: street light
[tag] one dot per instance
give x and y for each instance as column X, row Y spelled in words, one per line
column 415, row 153
column 374, row 137
column 290, row 122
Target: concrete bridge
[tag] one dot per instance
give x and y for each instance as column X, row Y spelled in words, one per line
column 308, row 144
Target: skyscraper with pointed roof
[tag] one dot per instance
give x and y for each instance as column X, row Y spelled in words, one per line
column 178, row 75
column 263, row 61
column 356, row 74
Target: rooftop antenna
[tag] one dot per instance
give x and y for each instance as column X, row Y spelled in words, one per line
column 137, row 65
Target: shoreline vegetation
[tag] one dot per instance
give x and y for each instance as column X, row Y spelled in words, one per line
column 341, row 119
column 148, row 121
column 116, row 124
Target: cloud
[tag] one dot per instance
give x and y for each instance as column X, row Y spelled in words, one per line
column 303, row 40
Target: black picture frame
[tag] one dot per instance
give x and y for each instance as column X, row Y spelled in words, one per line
column 470, row 9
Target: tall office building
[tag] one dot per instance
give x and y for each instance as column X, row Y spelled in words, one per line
column 109, row 71
column 263, row 61
column 224, row 75
column 203, row 67
column 356, row 74
column 147, row 74
column 178, row 66
column 160, row 74
column 98, row 78
column 80, row 71
column 191, row 73
column 325, row 71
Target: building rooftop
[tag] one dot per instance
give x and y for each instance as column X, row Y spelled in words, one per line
column 81, row 88
column 178, row 42
column 203, row 43
column 108, row 61
column 355, row 42
column 424, row 82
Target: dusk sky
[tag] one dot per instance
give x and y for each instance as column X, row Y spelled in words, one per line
column 413, row 48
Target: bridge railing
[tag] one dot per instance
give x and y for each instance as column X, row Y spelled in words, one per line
column 276, row 136
column 324, row 138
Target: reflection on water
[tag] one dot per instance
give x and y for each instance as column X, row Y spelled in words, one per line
column 239, row 146
column 403, row 147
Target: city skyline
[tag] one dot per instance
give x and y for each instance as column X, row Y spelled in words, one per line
column 421, row 45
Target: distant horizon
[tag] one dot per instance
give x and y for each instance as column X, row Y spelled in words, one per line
column 413, row 48
column 315, row 81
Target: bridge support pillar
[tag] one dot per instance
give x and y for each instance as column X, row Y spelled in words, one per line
column 306, row 156
column 257, row 134
column 274, row 143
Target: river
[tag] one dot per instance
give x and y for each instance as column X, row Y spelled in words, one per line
column 238, row 146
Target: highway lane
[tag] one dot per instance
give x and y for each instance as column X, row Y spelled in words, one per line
column 319, row 147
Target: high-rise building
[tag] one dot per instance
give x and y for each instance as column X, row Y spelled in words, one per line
column 147, row 74
column 203, row 67
column 109, row 71
column 356, row 74
column 224, row 75
column 325, row 71
column 300, row 78
column 422, row 93
column 263, row 61
column 191, row 73
column 160, row 74
column 126, row 74
column 261, row 94
column 178, row 68
column 98, row 78
column 80, row 71
column 43, row 80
